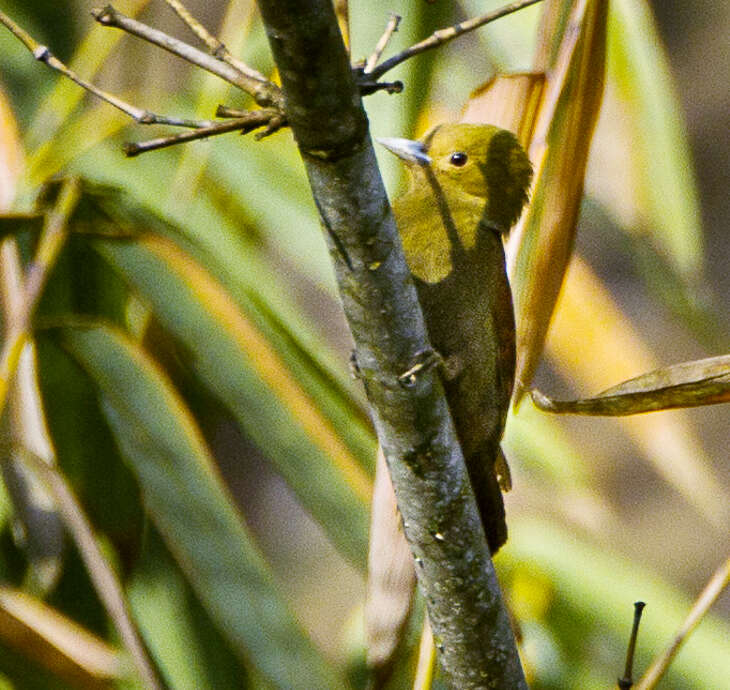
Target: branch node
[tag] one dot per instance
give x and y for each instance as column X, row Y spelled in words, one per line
column 42, row 53
column 274, row 125
column 425, row 361
column 104, row 15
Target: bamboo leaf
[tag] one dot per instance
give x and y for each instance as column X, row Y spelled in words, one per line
column 49, row 638
column 235, row 360
column 188, row 502
column 283, row 392
column 593, row 343
column 177, row 629
column 540, row 246
column 689, row 384
column 665, row 190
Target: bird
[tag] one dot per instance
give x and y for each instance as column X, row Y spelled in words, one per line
column 467, row 185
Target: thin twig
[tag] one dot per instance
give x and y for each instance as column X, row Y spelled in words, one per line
column 139, row 115
column 43, row 54
column 52, row 239
column 269, row 118
column 105, row 581
column 627, row 681
column 438, row 38
column 390, row 28
column 216, row 47
column 225, row 111
column 713, row 589
column 368, row 86
column 264, row 93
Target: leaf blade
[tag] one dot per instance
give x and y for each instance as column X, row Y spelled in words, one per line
column 191, row 507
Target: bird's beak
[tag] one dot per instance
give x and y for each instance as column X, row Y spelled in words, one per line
column 407, row 149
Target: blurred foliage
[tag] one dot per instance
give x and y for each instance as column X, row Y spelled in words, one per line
column 192, row 373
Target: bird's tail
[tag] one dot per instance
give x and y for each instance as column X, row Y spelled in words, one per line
column 391, row 577
column 489, row 475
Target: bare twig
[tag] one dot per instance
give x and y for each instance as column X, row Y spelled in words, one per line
column 390, row 28
column 225, row 111
column 264, row 93
column 369, row 86
column 43, row 54
column 216, row 47
column 627, row 681
column 438, row 38
column 713, row 589
column 246, row 122
column 272, row 118
column 105, row 581
column 54, row 235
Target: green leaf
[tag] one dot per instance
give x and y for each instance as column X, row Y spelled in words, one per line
column 689, row 384
column 662, row 165
column 190, row 652
column 108, row 490
column 237, row 362
column 190, row 506
column 599, row 588
column 246, row 276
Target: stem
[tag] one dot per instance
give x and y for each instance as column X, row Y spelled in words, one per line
column 626, row 682
column 216, row 47
column 719, row 580
column 470, row 623
column 438, row 38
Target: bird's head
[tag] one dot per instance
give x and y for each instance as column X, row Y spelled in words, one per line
column 480, row 161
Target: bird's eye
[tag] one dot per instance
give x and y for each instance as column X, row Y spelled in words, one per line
column 458, row 159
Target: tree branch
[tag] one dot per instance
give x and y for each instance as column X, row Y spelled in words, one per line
column 323, row 107
column 216, row 47
column 438, row 38
column 265, row 93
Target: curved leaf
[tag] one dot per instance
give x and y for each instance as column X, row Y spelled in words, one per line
column 689, row 384
column 540, row 246
column 593, row 344
column 236, row 361
column 192, row 509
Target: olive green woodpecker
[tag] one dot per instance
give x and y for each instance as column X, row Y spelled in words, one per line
column 467, row 186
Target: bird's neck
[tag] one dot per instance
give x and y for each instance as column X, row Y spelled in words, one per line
column 439, row 228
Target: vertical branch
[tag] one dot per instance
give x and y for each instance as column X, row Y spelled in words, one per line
column 471, row 627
